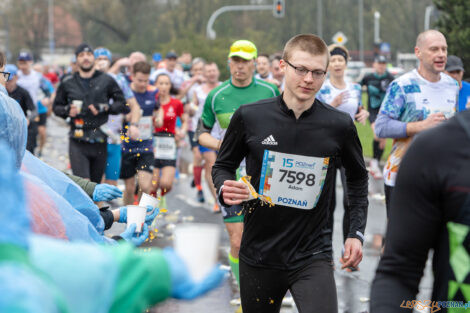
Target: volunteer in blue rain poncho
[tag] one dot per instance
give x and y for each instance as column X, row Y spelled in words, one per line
column 43, row 274
column 59, row 208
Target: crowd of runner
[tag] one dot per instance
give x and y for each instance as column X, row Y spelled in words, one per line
column 270, row 141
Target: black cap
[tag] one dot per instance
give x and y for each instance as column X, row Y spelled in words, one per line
column 171, row 55
column 454, row 63
column 84, row 47
column 380, row 59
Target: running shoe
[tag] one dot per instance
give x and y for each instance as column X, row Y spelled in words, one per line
column 200, row 196
column 193, row 184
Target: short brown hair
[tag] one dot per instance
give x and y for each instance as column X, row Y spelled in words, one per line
column 141, row 67
column 306, row 42
column 3, row 59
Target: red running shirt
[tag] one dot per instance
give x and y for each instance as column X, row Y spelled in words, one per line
column 171, row 111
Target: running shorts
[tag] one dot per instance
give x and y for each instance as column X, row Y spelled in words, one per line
column 42, row 119
column 133, row 162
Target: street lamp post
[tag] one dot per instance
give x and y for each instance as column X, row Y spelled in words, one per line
column 427, row 16
column 377, row 27
column 361, row 30
column 319, row 19
column 51, row 25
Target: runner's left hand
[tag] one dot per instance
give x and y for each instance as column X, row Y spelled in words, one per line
column 352, row 255
column 362, row 116
column 93, row 110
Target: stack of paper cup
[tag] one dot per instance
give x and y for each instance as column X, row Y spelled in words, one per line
column 197, row 245
column 136, row 215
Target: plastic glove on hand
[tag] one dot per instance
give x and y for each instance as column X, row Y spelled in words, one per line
column 105, row 192
column 182, row 284
column 123, row 214
column 137, row 239
column 149, row 218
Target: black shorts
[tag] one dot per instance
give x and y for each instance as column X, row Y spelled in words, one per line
column 312, row 286
column 192, row 140
column 133, row 162
column 373, row 114
column 42, row 119
column 161, row 163
column 88, row 160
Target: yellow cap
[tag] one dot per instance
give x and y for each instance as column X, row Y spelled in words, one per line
column 244, row 49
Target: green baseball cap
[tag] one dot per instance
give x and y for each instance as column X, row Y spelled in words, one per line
column 244, row 49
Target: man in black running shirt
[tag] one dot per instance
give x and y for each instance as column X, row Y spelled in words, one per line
column 292, row 144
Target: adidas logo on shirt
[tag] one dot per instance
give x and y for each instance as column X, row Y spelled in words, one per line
column 269, row 141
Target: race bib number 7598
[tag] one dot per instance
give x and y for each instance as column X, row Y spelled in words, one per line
column 292, row 180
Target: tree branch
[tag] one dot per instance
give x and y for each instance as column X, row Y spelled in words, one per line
column 124, row 36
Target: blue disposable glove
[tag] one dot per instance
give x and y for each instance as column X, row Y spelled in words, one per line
column 182, row 285
column 105, row 192
column 131, row 236
column 148, row 218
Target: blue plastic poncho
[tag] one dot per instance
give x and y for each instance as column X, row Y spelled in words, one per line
column 65, row 187
column 21, row 290
column 14, row 132
column 13, row 204
column 14, row 128
column 52, row 215
column 82, row 271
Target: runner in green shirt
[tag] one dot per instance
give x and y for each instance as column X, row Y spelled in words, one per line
column 221, row 103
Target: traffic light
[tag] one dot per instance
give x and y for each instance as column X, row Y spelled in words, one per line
column 278, row 8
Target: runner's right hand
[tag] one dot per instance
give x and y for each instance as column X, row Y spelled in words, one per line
column 235, row 192
column 339, row 99
column 433, row 120
column 133, row 132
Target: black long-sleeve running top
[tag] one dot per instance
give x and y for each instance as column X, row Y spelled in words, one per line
column 97, row 90
column 299, row 161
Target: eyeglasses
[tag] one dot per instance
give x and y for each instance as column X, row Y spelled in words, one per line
column 302, row 71
column 6, row 75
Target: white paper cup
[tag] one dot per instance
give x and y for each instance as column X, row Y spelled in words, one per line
column 197, row 244
column 147, row 199
column 136, row 215
column 78, row 104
